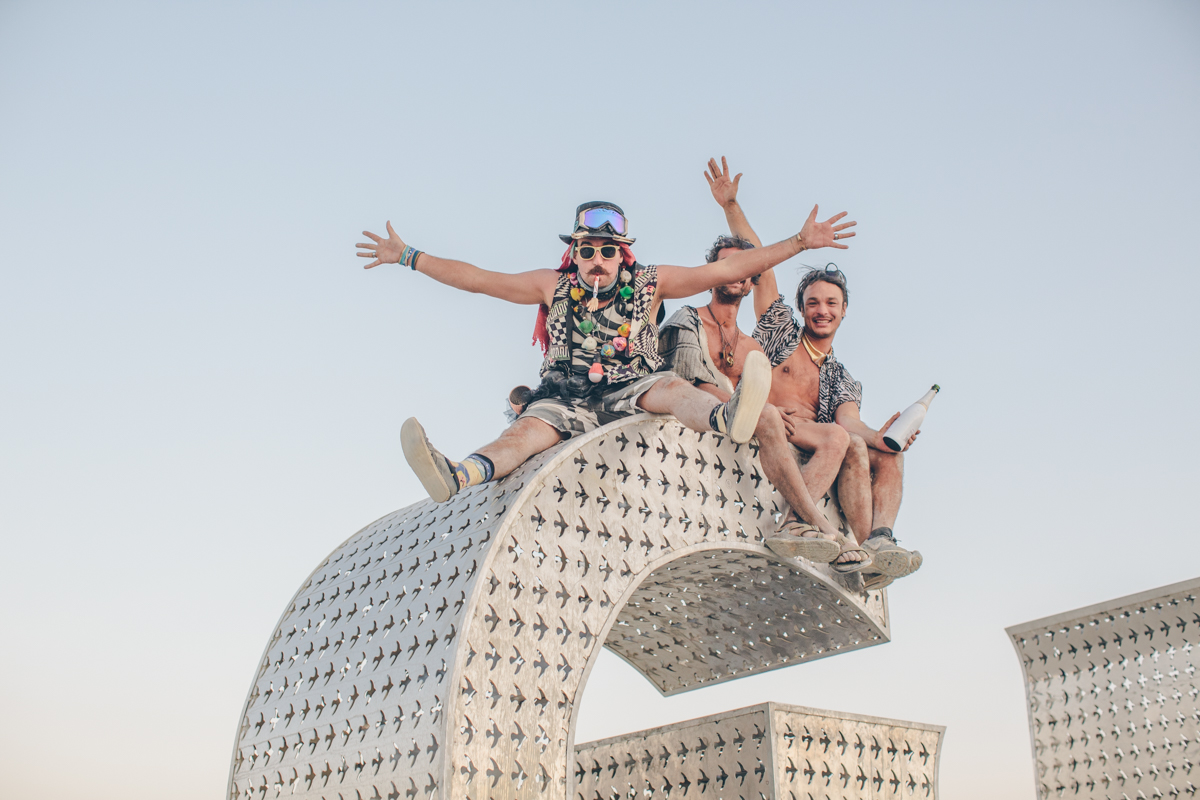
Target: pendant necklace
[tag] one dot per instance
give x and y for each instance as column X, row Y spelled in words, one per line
column 727, row 352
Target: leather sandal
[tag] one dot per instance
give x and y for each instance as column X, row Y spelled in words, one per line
column 800, row 540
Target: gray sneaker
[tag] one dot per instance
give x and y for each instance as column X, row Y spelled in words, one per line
column 431, row 467
column 876, row 580
column 745, row 406
column 890, row 558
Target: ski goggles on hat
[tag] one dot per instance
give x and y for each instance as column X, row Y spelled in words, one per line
column 608, row 251
column 597, row 218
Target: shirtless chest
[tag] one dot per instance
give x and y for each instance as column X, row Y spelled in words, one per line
column 738, row 347
column 796, row 385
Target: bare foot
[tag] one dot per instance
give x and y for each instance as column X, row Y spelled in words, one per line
column 852, row 558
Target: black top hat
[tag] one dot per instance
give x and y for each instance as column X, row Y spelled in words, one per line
column 605, row 231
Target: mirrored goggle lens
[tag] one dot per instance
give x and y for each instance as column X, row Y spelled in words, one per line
column 587, row 252
column 596, row 218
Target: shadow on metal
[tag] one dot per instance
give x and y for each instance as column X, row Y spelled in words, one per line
column 440, row 651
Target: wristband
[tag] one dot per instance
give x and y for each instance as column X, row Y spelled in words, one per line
column 408, row 258
column 800, row 242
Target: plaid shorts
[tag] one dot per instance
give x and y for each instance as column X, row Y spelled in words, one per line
column 579, row 416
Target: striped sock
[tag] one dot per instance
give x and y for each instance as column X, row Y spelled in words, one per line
column 473, row 470
column 718, row 420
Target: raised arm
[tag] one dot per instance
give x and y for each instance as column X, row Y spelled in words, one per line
column 724, row 191
column 522, row 288
column 679, row 282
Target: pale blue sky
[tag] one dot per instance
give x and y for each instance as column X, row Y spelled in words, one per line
column 202, row 390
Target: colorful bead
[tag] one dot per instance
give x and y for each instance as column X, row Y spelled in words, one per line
column 586, row 326
column 608, row 351
column 620, row 342
column 623, row 330
column 596, row 373
column 626, row 292
column 589, row 344
column 574, row 278
column 625, row 276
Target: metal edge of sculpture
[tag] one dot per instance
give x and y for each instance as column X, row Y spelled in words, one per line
column 1111, row 692
column 440, row 651
column 768, row 750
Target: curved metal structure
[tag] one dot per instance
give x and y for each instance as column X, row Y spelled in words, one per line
column 440, row 651
column 1114, row 701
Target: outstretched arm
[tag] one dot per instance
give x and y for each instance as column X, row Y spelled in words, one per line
column 678, row 282
column 523, row 288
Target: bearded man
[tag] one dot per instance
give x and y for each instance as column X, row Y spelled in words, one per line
column 596, row 324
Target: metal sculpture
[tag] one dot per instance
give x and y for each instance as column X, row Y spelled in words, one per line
column 769, row 750
column 1112, row 691
column 441, row 651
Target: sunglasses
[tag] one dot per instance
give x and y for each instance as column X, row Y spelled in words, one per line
column 608, row 251
column 596, row 218
column 831, row 270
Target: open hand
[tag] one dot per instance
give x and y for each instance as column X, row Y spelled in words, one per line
column 879, row 443
column 384, row 251
column 724, row 190
column 823, row 234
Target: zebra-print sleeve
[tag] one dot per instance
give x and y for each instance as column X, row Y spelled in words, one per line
column 777, row 332
column 848, row 391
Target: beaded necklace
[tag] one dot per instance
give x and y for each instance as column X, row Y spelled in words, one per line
column 601, row 348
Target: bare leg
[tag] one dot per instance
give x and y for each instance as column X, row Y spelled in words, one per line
column 692, row 407
column 854, row 488
column 827, row 442
column 520, row 441
column 779, row 465
column 887, row 486
column 689, row 405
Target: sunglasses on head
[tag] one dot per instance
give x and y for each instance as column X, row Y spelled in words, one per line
column 831, row 270
column 587, row 252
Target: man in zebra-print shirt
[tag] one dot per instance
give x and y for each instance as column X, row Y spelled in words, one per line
column 820, row 401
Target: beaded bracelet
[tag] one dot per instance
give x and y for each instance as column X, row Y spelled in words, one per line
column 408, row 258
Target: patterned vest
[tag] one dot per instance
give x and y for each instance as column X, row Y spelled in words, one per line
column 642, row 351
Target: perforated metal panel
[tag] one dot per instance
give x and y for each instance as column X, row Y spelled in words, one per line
column 765, row 752
column 1112, row 692
column 440, row 651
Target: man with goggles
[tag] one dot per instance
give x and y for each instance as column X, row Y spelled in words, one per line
column 820, row 404
column 597, row 326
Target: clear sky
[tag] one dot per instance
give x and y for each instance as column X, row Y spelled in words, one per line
column 201, row 390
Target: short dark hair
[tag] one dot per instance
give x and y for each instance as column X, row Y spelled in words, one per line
column 814, row 275
column 724, row 242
